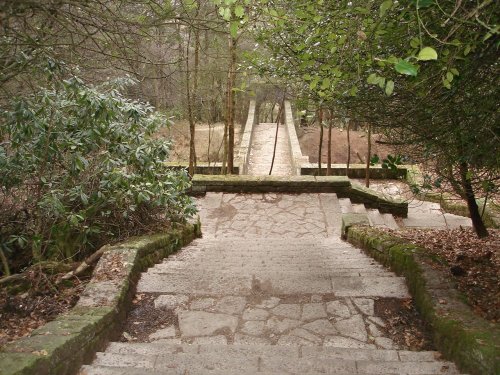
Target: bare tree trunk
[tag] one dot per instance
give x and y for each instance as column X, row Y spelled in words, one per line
column 195, row 96
column 320, row 121
column 368, row 156
column 348, row 147
column 329, row 162
column 275, row 140
column 180, row 58
column 231, row 102
column 477, row 220
column 192, row 148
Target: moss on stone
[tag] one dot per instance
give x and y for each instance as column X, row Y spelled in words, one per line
column 460, row 335
column 61, row 346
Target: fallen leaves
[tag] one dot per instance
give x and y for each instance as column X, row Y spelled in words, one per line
column 20, row 314
column 473, row 263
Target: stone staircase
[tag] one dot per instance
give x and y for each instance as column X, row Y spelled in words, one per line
column 375, row 217
column 270, row 289
column 158, row 358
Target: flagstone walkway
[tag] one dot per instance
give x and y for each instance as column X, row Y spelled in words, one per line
column 269, row 289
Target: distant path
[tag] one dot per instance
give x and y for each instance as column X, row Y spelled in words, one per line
column 261, row 151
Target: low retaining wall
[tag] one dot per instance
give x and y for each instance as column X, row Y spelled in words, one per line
column 463, row 337
column 355, row 171
column 342, row 186
column 293, row 141
column 203, row 168
column 246, row 140
column 60, row 347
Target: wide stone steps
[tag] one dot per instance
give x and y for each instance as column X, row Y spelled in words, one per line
column 162, row 358
column 231, row 284
column 234, row 266
column 375, row 217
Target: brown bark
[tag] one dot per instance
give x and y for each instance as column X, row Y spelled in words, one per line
column 85, row 264
column 192, row 148
column 477, row 220
column 348, row 147
column 329, row 162
column 231, row 103
column 368, row 156
column 320, row 121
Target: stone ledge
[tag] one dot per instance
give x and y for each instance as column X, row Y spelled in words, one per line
column 341, row 185
column 355, row 171
column 61, row 346
column 351, row 219
column 462, row 336
column 202, row 168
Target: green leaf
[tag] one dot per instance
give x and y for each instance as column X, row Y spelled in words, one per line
column 381, row 82
column 384, row 7
column 389, row 88
column 233, row 29
column 449, row 76
column 414, row 43
column 427, row 53
column 454, row 71
column 406, row 68
column 314, row 83
column 227, row 14
column 239, row 11
column 326, row 84
column 372, row 79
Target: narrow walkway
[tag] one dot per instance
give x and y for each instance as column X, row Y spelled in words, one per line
column 269, row 289
column 421, row 214
column 261, row 151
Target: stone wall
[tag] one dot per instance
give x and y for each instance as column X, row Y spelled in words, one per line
column 60, row 347
column 246, row 140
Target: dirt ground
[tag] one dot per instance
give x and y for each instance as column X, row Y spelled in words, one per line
column 309, row 144
column 209, row 146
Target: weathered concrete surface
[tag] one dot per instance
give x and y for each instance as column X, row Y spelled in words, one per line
column 270, row 278
column 262, row 147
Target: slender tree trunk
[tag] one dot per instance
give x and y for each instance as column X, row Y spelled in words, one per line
column 320, row 121
column 368, row 156
column 231, row 102
column 348, row 147
column 477, row 220
column 192, row 148
column 195, row 96
column 180, row 59
column 276, row 138
column 329, row 163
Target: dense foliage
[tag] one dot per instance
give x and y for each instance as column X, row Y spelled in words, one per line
column 79, row 167
column 424, row 72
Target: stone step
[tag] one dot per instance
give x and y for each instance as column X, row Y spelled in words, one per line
column 375, row 218
column 104, row 370
column 277, row 359
column 359, row 208
column 378, row 219
column 309, row 352
column 390, row 222
column 345, row 205
column 353, row 286
column 277, row 272
column 291, row 263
